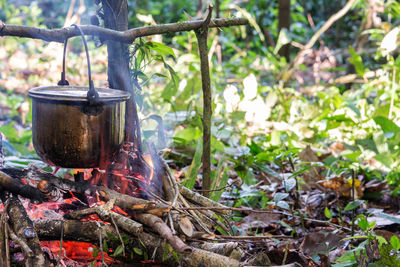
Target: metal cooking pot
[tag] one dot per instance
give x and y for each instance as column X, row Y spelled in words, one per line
column 76, row 126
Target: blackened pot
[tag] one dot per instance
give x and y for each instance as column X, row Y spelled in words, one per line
column 70, row 132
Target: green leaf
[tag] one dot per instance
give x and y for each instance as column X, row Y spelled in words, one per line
column 283, row 39
column 389, row 128
column 283, row 204
column 118, row 251
column 289, row 184
column 138, row 251
column 280, row 196
column 189, row 134
column 352, row 156
column 384, row 159
column 160, row 48
column 356, row 60
column 328, row 213
column 395, row 242
column 352, row 205
column 95, row 252
column 363, row 224
column 191, row 176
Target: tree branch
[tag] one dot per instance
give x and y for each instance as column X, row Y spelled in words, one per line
column 128, row 36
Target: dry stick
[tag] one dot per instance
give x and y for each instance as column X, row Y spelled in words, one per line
column 6, row 235
column 161, row 228
column 195, row 215
column 250, row 237
column 201, row 35
column 128, row 36
column 103, row 263
column 203, row 201
column 119, row 235
column 61, row 244
column 290, row 70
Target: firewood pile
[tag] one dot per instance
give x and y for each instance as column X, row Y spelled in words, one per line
column 135, row 212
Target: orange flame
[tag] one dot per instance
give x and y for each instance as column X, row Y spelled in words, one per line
column 147, row 158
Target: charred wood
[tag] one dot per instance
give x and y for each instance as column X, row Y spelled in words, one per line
column 121, row 200
column 22, row 226
column 16, row 187
column 124, row 223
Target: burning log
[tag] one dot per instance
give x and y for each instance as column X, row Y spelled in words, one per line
column 145, row 213
column 126, row 224
column 123, row 201
column 16, row 187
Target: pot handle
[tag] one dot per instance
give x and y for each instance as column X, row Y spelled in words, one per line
column 92, row 95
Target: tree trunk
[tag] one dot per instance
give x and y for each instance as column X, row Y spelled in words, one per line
column 116, row 18
column 284, row 22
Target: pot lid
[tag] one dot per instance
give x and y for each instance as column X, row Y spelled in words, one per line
column 76, row 93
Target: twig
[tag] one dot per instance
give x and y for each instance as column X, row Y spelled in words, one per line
column 119, row 235
column 61, row 243
column 103, row 263
column 195, row 216
column 250, row 237
column 353, row 178
column 264, row 211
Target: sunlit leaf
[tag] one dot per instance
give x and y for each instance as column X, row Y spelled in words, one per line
column 388, row 127
column 389, row 42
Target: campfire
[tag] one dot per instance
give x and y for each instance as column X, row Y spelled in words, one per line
column 134, row 211
column 127, row 211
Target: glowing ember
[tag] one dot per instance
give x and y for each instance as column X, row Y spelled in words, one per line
column 76, row 251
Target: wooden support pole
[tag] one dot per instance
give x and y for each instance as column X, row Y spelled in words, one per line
column 201, row 35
